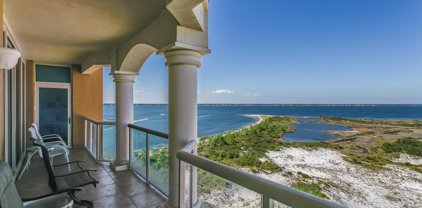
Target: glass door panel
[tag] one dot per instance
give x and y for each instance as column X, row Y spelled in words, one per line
column 54, row 112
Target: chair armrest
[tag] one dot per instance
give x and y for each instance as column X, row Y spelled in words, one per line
column 51, row 142
column 76, row 161
column 51, row 135
column 72, row 162
column 52, row 194
column 74, row 173
column 53, row 139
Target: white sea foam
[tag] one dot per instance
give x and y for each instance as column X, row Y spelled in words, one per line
column 140, row 120
column 204, row 116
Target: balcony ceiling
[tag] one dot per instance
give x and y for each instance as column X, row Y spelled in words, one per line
column 66, row 32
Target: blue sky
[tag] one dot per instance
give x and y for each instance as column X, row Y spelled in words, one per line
column 296, row 51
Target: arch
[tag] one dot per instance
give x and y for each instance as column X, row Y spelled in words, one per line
column 136, row 57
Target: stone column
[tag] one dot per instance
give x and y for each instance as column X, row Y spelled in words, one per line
column 183, row 65
column 124, row 116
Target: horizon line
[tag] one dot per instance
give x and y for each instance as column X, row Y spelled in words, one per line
column 281, row 103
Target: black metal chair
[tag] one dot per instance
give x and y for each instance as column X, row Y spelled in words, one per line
column 9, row 196
column 77, row 177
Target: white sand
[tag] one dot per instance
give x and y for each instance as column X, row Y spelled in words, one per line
column 403, row 158
column 259, row 119
column 349, row 184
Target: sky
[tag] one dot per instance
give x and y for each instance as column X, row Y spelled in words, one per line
column 302, row 52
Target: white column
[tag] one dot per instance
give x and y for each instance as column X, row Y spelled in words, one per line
column 183, row 65
column 124, row 116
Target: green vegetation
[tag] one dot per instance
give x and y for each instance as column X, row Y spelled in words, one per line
column 159, row 164
column 409, row 145
column 414, row 123
column 311, row 188
column 243, row 149
column 208, row 182
column 312, row 145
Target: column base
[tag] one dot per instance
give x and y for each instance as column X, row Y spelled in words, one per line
column 119, row 165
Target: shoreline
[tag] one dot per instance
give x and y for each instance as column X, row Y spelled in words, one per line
column 259, row 119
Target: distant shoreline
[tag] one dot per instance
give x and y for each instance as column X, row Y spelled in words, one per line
column 269, row 104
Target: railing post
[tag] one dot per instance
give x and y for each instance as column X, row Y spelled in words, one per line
column 86, row 131
column 90, row 137
column 130, row 146
column 191, row 186
column 98, row 142
column 147, row 157
column 266, row 202
column 94, row 140
column 181, row 180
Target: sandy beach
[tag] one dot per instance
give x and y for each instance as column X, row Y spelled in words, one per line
column 259, row 119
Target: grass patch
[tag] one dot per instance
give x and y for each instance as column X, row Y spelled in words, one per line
column 311, row 188
column 208, row 182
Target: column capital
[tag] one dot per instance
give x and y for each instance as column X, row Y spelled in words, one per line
column 181, row 56
column 124, row 76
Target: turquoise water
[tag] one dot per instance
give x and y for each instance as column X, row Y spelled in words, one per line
column 213, row 119
column 308, row 129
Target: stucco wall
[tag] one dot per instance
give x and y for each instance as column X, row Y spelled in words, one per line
column 87, row 101
column 30, row 97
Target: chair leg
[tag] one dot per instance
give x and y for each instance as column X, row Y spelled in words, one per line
column 27, row 163
column 86, row 203
column 67, row 160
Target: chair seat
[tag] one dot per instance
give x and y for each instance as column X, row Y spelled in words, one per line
column 74, row 180
column 62, row 200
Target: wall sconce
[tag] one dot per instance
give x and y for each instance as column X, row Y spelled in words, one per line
column 8, row 58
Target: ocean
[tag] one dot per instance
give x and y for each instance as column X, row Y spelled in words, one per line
column 214, row 119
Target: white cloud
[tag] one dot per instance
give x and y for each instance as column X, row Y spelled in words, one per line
column 253, row 94
column 223, row 92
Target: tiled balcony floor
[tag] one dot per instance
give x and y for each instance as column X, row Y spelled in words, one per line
column 116, row 189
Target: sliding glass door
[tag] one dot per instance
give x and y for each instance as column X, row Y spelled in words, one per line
column 54, row 109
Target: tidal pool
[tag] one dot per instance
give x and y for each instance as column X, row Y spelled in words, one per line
column 309, row 130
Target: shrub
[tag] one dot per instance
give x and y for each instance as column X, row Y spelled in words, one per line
column 409, row 145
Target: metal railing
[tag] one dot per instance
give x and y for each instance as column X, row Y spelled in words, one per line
column 270, row 191
column 100, row 139
column 149, row 154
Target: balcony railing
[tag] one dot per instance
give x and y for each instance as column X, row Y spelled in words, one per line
column 270, row 194
column 149, row 156
column 100, row 139
column 149, row 159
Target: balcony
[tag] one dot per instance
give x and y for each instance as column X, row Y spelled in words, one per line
column 116, row 189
